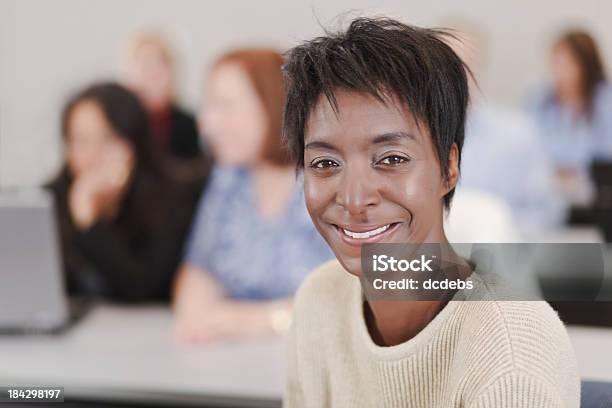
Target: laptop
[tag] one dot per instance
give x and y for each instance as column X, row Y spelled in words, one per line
column 32, row 293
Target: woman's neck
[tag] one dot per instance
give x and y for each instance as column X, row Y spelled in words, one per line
column 392, row 322
column 572, row 99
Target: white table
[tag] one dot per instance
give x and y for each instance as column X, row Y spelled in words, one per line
column 119, row 354
column 129, row 355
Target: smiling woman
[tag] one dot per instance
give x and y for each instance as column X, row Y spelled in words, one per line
column 371, row 174
column 375, row 117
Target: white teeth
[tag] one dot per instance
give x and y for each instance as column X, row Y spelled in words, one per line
column 366, row 234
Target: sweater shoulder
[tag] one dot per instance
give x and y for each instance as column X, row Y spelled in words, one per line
column 521, row 337
column 533, row 326
column 326, row 283
column 516, row 315
column 521, row 326
column 324, row 294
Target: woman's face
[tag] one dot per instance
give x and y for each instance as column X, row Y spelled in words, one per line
column 233, row 118
column 91, row 139
column 371, row 175
column 150, row 77
column 566, row 73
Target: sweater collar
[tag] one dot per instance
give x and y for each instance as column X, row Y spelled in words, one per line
column 415, row 344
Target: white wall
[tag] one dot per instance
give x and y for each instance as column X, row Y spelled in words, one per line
column 50, row 48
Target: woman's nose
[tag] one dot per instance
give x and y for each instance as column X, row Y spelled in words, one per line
column 358, row 191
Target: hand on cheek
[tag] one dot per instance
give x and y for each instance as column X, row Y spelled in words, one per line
column 99, row 190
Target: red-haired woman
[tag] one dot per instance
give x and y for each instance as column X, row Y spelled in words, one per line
column 252, row 242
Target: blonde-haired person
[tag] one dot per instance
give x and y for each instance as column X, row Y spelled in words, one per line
column 252, row 242
column 150, row 73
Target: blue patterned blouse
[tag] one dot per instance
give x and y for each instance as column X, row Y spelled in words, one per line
column 251, row 257
column 574, row 141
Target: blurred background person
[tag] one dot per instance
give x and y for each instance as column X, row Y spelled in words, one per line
column 503, row 157
column 574, row 112
column 122, row 221
column 150, row 74
column 253, row 241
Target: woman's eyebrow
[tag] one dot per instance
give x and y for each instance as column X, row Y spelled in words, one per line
column 319, row 145
column 393, row 137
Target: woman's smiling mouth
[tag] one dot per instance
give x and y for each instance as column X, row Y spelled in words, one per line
column 359, row 235
column 366, row 234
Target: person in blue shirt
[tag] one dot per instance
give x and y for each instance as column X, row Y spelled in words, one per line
column 504, row 157
column 503, row 154
column 574, row 111
column 252, row 242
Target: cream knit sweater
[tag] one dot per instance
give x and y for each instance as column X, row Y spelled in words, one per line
column 472, row 354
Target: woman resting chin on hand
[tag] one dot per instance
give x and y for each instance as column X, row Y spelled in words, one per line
column 123, row 218
column 97, row 191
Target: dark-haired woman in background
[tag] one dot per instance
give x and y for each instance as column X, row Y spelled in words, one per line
column 122, row 220
column 574, row 112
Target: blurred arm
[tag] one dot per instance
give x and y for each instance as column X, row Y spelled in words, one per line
column 204, row 313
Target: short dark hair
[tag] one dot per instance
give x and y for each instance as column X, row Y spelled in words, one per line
column 381, row 56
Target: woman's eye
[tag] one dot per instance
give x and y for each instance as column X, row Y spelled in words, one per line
column 393, row 160
column 323, row 164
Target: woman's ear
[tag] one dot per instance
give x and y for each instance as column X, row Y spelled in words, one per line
column 453, row 169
